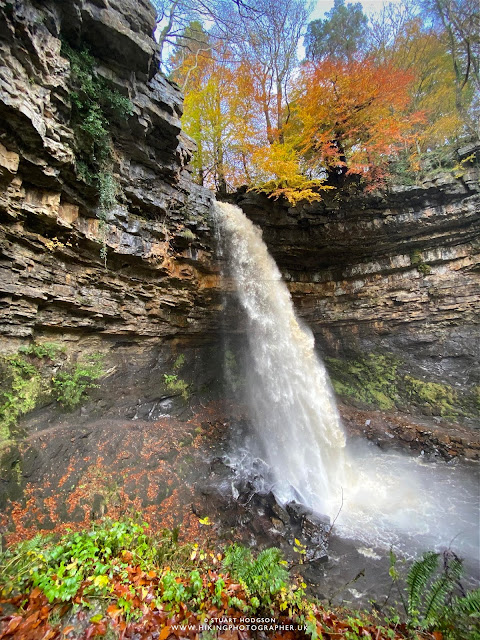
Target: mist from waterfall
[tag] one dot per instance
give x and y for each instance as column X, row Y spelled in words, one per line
column 299, row 444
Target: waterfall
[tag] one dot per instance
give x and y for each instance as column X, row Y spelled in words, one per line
column 292, row 405
column 385, row 498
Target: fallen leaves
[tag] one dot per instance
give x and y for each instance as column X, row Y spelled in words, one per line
column 164, row 633
column 134, row 609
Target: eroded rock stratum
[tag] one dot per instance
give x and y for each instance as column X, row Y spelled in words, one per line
column 158, row 278
column 126, row 279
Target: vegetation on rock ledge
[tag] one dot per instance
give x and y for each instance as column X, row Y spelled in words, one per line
column 96, row 107
column 36, row 374
column 376, row 379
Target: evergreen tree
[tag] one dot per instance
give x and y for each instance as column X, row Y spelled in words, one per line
column 339, row 36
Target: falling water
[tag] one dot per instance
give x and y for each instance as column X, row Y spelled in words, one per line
column 293, row 409
column 387, row 498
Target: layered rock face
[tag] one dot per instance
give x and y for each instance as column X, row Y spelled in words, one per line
column 142, row 274
column 390, row 287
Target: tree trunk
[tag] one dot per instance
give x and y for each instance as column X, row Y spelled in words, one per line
column 338, row 172
column 280, row 112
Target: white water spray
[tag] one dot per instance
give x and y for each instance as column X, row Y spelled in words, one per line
column 385, row 499
column 292, row 405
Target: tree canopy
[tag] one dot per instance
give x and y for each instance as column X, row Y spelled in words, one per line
column 378, row 97
column 340, row 35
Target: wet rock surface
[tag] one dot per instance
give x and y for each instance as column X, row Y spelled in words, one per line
column 428, row 437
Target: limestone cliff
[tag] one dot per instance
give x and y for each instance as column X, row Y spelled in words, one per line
column 389, row 284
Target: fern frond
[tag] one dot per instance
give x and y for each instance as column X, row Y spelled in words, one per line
column 469, row 605
column 441, row 591
column 420, row 573
column 435, row 600
column 262, row 577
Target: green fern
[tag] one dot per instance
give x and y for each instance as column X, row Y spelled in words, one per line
column 463, row 617
column 468, row 605
column 436, row 599
column 418, row 577
column 262, row 578
column 441, row 591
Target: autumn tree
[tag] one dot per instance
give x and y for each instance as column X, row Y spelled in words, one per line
column 267, row 44
column 459, row 21
column 219, row 113
column 422, row 52
column 338, row 36
column 173, row 19
column 411, row 38
column 353, row 117
column 281, row 172
column 236, row 87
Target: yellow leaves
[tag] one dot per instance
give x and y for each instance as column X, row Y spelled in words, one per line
column 294, row 193
column 280, row 175
column 101, row 581
column 459, row 169
column 300, row 548
column 96, row 619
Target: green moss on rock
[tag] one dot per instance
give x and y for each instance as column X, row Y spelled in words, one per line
column 440, row 398
column 377, row 380
column 417, row 261
column 20, row 390
column 38, row 373
column 371, row 378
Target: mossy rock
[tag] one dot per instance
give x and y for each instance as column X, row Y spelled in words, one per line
column 371, row 379
column 441, row 399
column 378, row 380
column 38, row 374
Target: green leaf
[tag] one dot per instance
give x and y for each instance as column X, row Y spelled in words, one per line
column 97, row 618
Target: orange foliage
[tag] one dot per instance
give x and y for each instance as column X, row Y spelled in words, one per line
column 354, row 116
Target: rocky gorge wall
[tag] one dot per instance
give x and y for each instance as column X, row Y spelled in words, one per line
column 388, row 283
column 390, row 286
column 138, row 282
